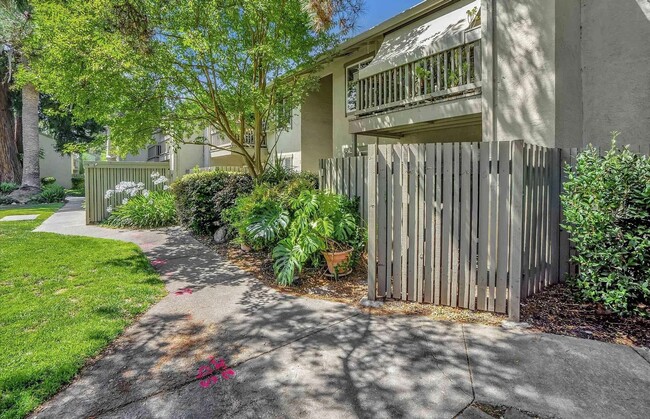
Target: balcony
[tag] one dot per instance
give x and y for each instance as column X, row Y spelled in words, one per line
column 451, row 73
column 225, row 145
column 158, row 152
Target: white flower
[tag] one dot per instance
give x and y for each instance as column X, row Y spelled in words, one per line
column 108, row 194
column 159, row 180
column 109, row 209
column 140, row 185
column 151, row 202
column 155, row 175
column 165, row 187
column 125, row 200
column 145, row 193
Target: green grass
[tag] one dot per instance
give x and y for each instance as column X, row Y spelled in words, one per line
column 75, row 192
column 62, row 300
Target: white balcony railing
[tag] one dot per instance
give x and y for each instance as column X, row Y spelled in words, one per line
column 224, row 142
column 448, row 73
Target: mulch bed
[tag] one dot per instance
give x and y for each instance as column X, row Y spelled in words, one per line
column 348, row 290
column 556, row 310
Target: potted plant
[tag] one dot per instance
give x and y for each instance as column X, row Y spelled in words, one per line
column 322, row 223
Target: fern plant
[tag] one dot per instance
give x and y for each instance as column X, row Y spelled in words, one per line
column 321, row 221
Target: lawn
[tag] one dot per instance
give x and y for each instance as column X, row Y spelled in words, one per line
column 62, row 300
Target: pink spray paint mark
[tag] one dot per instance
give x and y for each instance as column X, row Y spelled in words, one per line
column 218, row 367
column 158, row 262
column 182, row 291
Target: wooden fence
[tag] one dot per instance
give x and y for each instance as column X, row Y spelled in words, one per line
column 346, row 176
column 102, row 176
column 472, row 225
column 444, row 226
column 235, row 169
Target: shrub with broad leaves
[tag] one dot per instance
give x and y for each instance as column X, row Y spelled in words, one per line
column 606, row 204
column 7, row 187
column 50, row 194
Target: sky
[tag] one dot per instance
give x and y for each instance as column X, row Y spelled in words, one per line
column 377, row 11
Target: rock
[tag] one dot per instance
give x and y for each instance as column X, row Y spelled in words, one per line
column 369, row 303
column 507, row 324
column 23, row 195
column 220, row 236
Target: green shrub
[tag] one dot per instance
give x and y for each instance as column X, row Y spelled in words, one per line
column 7, row 187
column 49, row 180
column 152, row 211
column 75, row 192
column 77, row 181
column 247, row 210
column 266, row 200
column 5, row 200
column 201, row 198
column 50, row 194
column 320, row 221
column 607, row 212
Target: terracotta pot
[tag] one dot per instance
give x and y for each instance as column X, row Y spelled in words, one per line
column 335, row 259
column 245, row 248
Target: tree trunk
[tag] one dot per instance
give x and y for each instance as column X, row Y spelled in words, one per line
column 31, row 146
column 18, row 135
column 9, row 163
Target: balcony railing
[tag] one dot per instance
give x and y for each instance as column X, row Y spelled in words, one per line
column 448, row 73
column 223, row 142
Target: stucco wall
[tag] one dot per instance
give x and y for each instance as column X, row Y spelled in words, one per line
column 340, row 133
column 317, row 126
column 616, row 70
column 186, row 158
column 54, row 164
column 288, row 142
column 568, row 77
column 524, row 71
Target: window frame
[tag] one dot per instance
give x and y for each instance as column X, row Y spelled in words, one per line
column 358, row 63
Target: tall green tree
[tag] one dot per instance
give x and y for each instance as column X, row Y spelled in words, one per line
column 10, row 167
column 15, row 28
column 180, row 66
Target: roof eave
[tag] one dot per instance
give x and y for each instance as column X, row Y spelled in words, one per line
column 409, row 15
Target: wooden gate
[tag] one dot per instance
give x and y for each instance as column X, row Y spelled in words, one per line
column 102, row 176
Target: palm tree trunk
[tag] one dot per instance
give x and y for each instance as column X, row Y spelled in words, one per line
column 9, row 163
column 31, row 146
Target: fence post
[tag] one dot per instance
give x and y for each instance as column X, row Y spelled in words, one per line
column 516, row 205
column 372, row 224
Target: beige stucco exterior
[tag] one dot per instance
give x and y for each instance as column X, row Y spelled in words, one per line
column 558, row 73
column 55, row 164
column 616, row 70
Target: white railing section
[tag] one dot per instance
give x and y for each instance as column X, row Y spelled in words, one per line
column 447, row 73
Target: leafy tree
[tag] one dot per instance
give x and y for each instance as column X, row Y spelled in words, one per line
column 70, row 135
column 180, row 66
column 15, row 28
column 10, row 168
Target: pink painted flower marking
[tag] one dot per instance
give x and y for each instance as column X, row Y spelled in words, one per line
column 158, row 262
column 182, row 291
column 205, row 372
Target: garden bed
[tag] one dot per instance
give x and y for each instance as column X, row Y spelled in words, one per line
column 556, row 310
column 348, row 290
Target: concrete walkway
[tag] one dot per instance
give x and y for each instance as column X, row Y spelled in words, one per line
column 300, row 357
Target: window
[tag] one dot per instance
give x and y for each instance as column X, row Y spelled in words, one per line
column 286, row 161
column 352, row 77
column 285, row 116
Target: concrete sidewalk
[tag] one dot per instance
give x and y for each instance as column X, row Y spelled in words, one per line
column 300, row 357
